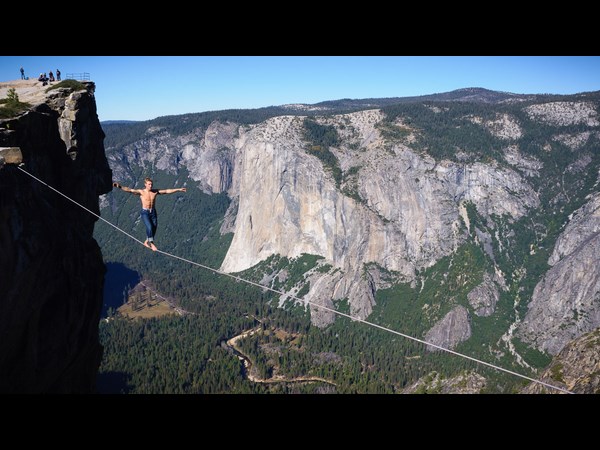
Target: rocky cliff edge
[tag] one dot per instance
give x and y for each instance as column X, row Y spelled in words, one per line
column 52, row 271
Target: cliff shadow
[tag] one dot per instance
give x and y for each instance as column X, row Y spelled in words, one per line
column 119, row 279
column 113, row 383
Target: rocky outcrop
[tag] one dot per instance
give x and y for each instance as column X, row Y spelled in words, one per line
column 573, row 141
column 450, row 331
column 528, row 165
column 566, row 302
column 503, row 126
column 213, row 161
column 483, row 298
column 576, row 368
column 564, row 113
column 434, row 383
column 52, row 271
column 584, row 225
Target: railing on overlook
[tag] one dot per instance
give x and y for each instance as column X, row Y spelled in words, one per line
column 82, row 76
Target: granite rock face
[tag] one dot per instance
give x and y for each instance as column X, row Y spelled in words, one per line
column 576, row 368
column 52, row 268
column 453, row 329
column 405, row 214
column 483, row 298
column 566, row 302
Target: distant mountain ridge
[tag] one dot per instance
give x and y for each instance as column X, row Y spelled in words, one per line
column 470, row 94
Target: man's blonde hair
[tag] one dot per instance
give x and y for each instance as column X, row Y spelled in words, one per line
column 148, row 179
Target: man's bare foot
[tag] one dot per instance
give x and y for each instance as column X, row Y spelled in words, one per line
column 146, row 244
column 153, row 247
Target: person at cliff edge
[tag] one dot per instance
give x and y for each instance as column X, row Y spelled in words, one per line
column 148, row 212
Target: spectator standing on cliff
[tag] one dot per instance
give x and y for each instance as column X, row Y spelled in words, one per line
column 51, row 77
column 57, row 75
column 22, row 73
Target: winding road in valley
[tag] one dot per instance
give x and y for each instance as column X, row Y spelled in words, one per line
column 232, row 344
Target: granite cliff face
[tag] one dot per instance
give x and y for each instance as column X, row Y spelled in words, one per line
column 407, row 216
column 566, row 302
column 575, row 368
column 484, row 297
column 453, row 329
column 52, row 268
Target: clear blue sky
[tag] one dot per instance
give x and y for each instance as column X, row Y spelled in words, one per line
column 145, row 87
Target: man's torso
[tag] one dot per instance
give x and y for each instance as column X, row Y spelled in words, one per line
column 148, row 198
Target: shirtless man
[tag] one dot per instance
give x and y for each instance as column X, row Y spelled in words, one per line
column 148, row 212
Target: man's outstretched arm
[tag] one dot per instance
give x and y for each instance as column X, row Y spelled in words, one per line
column 126, row 189
column 171, row 191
